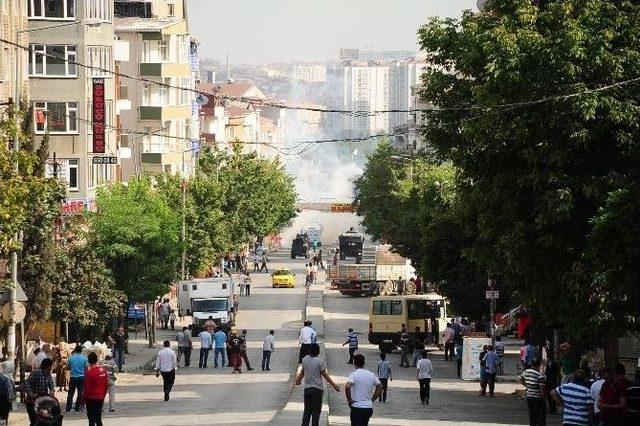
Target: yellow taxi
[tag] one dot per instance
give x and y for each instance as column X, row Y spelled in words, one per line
column 283, row 278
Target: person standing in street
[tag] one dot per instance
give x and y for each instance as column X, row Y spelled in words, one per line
column 235, row 348
column 447, row 337
column 166, row 364
column 483, row 372
column 312, row 371
column 307, row 337
column 425, row 369
column 96, row 383
column 247, row 285
column 418, row 346
column 256, row 262
column 320, row 262
column 491, row 361
column 613, row 399
column 576, row 399
column 77, row 365
column 361, row 389
column 268, row 346
column 7, row 395
column 119, row 340
column 458, row 353
column 165, row 310
column 185, row 345
column 384, row 375
column 39, row 383
column 500, row 352
column 405, row 348
column 172, row 319
column 352, row 341
column 205, row 347
column 220, row 339
column 535, row 384
column 243, row 349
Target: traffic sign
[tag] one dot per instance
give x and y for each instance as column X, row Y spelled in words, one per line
column 105, row 160
column 492, row 294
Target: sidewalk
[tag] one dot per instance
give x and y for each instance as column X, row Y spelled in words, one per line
column 291, row 414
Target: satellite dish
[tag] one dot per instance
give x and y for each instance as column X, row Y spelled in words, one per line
column 202, row 99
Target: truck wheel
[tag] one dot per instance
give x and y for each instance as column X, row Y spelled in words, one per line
column 358, row 260
column 293, row 256
column 386, row 348
column 342, row 256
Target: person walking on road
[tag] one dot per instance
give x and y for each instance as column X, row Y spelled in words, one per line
column 220, row 339
column 320, row 262
column 418, row 347
column 425, row 369
column 166, row 364
column 235, row 348
column 361, row 389
column 96, row 383
column 268, row 346
column 39, row 383
column 256, row 262
column 307, row 337
column 119, row 340
column 535, row 384
column 263, row 265
column 447, row 337
column 185, row 345
column 242, row 287
column 205, row 346
column 165, row 310
column 243, row 349
column 491, row 361
column 312, row 371
column 384, row 375
column 352, row 341
column 576, row 399
column 109, row 365
column 77, row 365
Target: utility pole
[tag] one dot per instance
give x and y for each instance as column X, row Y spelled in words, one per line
column 491, row 283
column 183, row 270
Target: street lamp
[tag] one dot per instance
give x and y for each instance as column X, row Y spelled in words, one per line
column 13, row 293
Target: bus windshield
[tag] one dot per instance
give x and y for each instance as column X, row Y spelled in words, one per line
column 420, row 309
column 210, row 305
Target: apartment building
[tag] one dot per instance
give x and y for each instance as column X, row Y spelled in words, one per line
column 13, row 22
column 403, row 75
column 358, row 86
column 158, row 129
column 63, row 33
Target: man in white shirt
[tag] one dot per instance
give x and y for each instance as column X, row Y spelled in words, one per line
column 595, row 389
column 268, row 345
column 361, row 389
column 206, row 340
column 166, row 364
column 307, row 337
column 425, row 368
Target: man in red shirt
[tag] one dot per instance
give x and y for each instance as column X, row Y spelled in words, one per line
column 613, row 399
column 95, row 389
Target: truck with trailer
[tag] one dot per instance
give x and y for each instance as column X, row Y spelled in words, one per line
column 371, row 279
column 207, row 299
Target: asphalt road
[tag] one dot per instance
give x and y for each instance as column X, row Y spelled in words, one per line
column 215, row 396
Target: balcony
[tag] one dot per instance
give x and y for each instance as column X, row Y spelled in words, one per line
column 164, row 113
column 162, row 69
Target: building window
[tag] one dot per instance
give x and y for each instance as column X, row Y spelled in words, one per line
column 52, row 61
column 56, row 117
column 172, row 9
column 64, row 169
column 99, row 9
column 163, row 51
column 52, row 9
column 100, row 57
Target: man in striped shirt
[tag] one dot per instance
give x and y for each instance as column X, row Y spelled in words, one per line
column 534, row 381
column 352, row 341
column 576, row 399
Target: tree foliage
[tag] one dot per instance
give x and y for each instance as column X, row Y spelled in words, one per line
column 136, row 233
column 413, row 205
column 232, row 199
column 541, row 182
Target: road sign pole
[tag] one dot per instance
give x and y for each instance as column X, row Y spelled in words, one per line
column 492, row 309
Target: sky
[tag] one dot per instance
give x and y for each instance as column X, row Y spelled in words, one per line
column 263, row 31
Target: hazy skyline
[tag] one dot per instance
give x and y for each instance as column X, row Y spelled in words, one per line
column 263, row 31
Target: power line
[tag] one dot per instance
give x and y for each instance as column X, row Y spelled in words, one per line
column 360, row 113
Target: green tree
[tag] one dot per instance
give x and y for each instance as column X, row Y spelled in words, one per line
column 136, row 233
column 535, row 175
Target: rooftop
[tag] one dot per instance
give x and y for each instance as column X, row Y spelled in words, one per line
column 141, row 25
